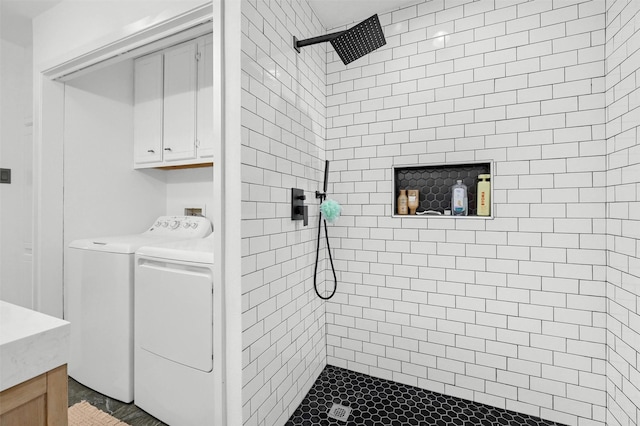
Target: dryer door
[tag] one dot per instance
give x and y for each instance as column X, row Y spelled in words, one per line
column 173, row 312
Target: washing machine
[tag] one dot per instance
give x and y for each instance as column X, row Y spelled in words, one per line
column 99, row 282
column 178, row 334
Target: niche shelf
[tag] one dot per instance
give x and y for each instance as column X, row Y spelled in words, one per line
column 434, row 183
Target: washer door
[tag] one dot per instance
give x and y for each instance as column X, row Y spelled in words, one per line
column 174, row 312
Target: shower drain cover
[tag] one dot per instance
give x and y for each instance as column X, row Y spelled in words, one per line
column 339, row 412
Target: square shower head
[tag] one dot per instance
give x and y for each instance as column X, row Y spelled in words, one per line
column 360, row 40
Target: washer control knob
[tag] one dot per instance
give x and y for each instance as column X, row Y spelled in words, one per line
column 186, row 225
column 158, row 223
column 194, row 225
column 165, row 224
column 175, row 224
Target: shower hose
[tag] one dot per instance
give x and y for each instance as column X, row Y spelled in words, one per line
column 315, row 271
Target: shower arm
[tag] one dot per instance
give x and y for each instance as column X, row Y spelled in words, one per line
column 297, row 44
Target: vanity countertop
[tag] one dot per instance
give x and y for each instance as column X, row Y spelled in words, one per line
column 31, row 343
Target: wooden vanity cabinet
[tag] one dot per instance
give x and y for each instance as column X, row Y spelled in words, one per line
column 41, row 401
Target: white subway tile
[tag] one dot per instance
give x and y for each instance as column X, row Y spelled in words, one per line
column 500, row 57
column 548, row 121
column 529, row 22
column 512, row 40
column 492, row 28
column 547, row 32
column 571, row 406
column 523, row 66
column 590, row 23
column 501, row 14
column 535, row 50
column 574, row 42
column 561, row 14
column 560, row 60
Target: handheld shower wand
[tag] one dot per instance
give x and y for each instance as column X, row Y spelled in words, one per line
column 322, row 196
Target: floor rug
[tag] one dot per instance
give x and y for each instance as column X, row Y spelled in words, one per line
column 85, row 414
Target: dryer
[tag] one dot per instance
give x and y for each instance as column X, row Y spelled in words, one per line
column 99, row 281
column 178, row 333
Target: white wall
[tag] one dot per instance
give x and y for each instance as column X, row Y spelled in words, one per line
column 15, row 154
column 508, row 311
column 283, row 134
column 623, row 208
column 189, row 188
column 103, row 194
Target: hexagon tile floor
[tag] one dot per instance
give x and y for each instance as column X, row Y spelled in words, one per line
column 382, row 402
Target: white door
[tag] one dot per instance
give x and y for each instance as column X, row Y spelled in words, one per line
column 205, row 98
column 147, row 127
column 180, row 73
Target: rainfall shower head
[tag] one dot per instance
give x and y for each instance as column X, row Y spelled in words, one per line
column 360, row 40
column 353, row 43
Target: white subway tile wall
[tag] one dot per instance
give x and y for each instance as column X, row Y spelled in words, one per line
column 536, row 310
column 283, row 146
column 623, row 211
column 511, row 311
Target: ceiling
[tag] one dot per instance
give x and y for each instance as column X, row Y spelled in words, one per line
column 16, row 17
column 336, row 13
column 27, row 8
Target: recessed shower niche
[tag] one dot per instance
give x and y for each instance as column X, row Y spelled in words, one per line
column 434, row 183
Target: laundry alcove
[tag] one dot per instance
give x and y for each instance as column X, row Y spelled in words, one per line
column 87, row 185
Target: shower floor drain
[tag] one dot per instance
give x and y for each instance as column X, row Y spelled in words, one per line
column 339, row 412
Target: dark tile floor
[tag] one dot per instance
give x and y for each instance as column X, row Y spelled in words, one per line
column 382, row 402
column 127, row 413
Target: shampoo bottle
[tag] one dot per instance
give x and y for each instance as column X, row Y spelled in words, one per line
column 484, row 195
column 402, row 202
column 413, row 200
column 459, row 200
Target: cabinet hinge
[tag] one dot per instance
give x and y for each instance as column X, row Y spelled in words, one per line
column 197, row 142
column 198, row 55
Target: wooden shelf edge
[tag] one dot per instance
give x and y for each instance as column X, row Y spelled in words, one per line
column 185, row 166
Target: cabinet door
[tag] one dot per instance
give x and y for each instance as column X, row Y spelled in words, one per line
column 204, row 121
column 147, row 128
column 180, row 68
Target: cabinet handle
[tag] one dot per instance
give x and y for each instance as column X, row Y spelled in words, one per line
column 151, row 151
column 167, row 149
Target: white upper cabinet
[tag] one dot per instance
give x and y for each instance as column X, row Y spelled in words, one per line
column 204, row 119
column 174, row 106
column 147, row 131
column 180, row 84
